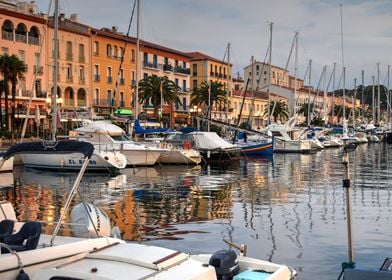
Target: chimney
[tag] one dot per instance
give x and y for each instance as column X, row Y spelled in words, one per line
column 62, row 16
column 74, row 17
column 114, row 28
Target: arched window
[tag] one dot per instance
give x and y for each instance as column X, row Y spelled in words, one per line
column 7, row 30
column 21, row 33
column 115, row 53
column 34, row 35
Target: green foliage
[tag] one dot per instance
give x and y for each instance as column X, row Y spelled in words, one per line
column 278, row 110
column 200, row 96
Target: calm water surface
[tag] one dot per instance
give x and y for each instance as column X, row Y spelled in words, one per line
column 288, row 209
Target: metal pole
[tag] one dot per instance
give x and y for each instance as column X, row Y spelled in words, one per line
column 69, row 199
column 373, row 103
column 346, row 186
column 378, row 94
column 137, row 60
column 55, row 69
column 310, row 80
column 209, row 106
column 269, row 76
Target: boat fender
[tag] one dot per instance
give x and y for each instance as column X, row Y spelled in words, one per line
column 22, row 275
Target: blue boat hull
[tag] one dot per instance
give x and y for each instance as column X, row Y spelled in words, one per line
column 262, row 149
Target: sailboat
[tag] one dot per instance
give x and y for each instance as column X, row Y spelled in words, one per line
column 91, row 254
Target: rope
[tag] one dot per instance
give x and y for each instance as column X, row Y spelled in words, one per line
column 346, row 265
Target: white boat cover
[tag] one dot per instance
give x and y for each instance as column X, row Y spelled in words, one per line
column 210, row 141
column 102, row 127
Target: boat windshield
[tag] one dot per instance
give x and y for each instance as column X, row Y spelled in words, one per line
column 121, row 138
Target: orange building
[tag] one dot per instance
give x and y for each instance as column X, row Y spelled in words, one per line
column 112, row 85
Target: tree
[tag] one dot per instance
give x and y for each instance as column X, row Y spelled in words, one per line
column 5, row 70
column 200, row 96
column 17, row 70
column 278, row 110
column 150, row 92
column 307, row 110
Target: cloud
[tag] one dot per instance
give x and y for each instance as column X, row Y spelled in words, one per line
column 207, row 26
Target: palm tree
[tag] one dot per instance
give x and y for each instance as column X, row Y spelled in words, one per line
column 2, row 86
column 278, row 109
column 200, row 96
column 17, row 70
column 150, row 92
column 5, row 70
column 305, row 109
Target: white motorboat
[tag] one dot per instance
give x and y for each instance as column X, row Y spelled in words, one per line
column 179, row 155
column 106, row 133
column 286, row 138
column 64, row 159
column 330, row 141
column 83, row 257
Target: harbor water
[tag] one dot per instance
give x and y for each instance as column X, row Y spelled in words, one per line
column 287, row 209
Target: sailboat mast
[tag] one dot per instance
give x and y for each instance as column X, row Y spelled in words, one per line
column 55, row 69
column 295, row 73
column 378, row 93
column 333, row 92
column 353, row 100
column 373, row 103
column 136, row 99
column 325, row 95
column 362, row 92
column 310, row 80
column 228, row 81
column 269, row 76
column 389, row 97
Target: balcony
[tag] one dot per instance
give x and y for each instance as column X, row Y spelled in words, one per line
column 33, row 40
column 109, row 79
column 41, row 94
column 82, row 59
column 8, row 35
column 181, row 70
column 20, row 38
column 69, row 56
column 97, row 78
column 147, row 64
column 211, row 73
column 82, row 103
column 122, row 103
column 167, row 68
column 39, row 70
column 133, row 83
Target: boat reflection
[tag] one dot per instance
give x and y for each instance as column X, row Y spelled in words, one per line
column 6, row 179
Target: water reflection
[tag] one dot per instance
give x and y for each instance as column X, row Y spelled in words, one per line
column 288, row 208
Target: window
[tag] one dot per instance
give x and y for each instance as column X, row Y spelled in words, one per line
column 184, row 103
column 81, row 74
column 69, row 72
column 194, row 84
column 145, row 58
column 166, row 60
column 145, row 76
column 37, row 59
column 133, row 78
column 69, row 50
column 81, row 53
column 109, row 74
column 115, row 52
column 96, row 69
column 122, row 102
column 21, row 55
column 183, row 85
column 133, row 55
column 109, row 97
column 176, row 63
column 194, row 69
column 257, row 67
column 120, row 52
column 176, row 82
column 108, row 50
column 96, row 48
column 4, row 50
column 96, row 96
column 155, row 61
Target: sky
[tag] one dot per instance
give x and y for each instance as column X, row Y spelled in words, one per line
column 208, row 26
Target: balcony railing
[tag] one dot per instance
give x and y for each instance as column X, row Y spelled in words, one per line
column 109, row 79
column 38, row 69
column 167, row 67
column 34, row 40
column 82, row 103
column 41, row 94
column 150, row 64
column 69, row 102
column 181, row 70
column 82, row 81
column 69, row 79
column 8, row 35
column 69, row 56
column 97, row 78
column 21, row 38
column 211, row 73
column 82, row 59
column 122, row 103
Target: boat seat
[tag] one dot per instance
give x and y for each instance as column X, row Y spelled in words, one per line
column 26, row 238
column 6, row 227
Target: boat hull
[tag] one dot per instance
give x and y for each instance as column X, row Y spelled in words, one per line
column 104, row 161
column 217, row 155
column 177, row 156
column 142, row 157
column 8, row 165
column 257, row 149
column 291, row 146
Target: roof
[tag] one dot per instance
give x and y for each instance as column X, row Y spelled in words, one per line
column 201, row 56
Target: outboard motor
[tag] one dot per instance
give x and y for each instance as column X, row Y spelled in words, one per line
column 86, row 219
column 225, row 263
